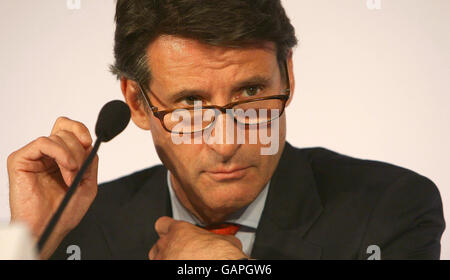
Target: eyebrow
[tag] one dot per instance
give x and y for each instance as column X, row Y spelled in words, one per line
column 252, row 81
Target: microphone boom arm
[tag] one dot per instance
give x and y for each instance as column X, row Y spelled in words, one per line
column 73, row 187
column 112, row 120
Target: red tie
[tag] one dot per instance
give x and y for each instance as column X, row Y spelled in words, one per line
column 223, row 229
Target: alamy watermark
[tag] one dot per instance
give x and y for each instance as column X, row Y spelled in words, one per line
column 375, row 252
column 264, row 133
column 74, row 252
column 73, row 4
column 373, row 4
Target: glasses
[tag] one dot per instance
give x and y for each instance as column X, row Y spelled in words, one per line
column 248, row 112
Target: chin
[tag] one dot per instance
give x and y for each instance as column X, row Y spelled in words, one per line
column 230, row 195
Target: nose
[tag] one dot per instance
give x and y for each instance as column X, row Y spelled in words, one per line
column 222, row 138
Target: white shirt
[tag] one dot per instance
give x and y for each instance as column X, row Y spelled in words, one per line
column 248, row 217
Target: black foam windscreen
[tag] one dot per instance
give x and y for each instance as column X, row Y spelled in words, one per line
column 112, row 120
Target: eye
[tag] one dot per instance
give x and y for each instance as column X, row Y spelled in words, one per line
column 190, row 100
column 251, row 91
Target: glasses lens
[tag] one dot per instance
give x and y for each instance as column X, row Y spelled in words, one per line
column 258, row 112
column 189, row 120
column 249, row 113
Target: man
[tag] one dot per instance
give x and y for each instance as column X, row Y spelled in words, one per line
column 180, row 58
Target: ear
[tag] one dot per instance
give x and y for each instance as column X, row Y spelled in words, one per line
column 290, row 68
column 131, row 92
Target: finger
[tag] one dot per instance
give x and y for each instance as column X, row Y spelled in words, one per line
column 163, row 224
column 77, row 128
column 92, row 170
column 80, row 154
column 74, row 145
column 89, row 180
column 159, row 249
column 153, row 252
column 76, row 152
column 67, row 174
column 45, row 147
column 234, row 240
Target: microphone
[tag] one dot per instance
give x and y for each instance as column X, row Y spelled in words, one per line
column 112, row 120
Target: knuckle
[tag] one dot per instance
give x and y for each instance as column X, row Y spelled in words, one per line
column 11, row 158
column 41, row 140
column 63, row 134
column 150, row 254
column 69, row 139
column 63, row 138
column 154, row 251
column 61, row 120
column 55, row 137
column 82, row 133
column 67, row 158
column 79, row 127
column 75, row 127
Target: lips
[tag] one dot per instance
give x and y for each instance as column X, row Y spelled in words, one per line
column 222, row 174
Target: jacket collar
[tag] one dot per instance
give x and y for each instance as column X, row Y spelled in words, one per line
column 129, row 230
column 292, row 206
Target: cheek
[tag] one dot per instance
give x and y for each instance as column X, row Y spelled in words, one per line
column 163, row 145
column 181, row 158
column 282, row 130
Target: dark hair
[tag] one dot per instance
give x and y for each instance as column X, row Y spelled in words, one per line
column 229, row 23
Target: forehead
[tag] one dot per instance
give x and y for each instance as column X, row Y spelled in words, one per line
column 171, row 56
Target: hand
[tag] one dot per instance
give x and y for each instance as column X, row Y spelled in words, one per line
column 39, row 176
column 183, row 241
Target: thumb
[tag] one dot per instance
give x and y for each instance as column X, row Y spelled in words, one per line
column 163, row 224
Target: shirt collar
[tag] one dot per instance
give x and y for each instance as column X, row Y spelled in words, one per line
column 248, row 216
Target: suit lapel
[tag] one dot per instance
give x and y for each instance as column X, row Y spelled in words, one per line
column 130, row 231
column 291, row 208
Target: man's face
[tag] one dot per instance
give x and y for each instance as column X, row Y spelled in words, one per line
column 213, row 180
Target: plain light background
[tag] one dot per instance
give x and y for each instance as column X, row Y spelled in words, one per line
column 370, row 83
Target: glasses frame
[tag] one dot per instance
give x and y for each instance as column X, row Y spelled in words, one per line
column 161, row 114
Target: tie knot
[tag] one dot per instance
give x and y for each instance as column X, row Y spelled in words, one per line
column 223, row 229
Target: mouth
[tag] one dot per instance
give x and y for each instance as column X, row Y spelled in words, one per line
column 223, row 174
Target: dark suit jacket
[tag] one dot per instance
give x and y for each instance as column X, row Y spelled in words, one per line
column 320, row 205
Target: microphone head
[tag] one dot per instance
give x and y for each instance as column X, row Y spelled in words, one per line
column 112, row 120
